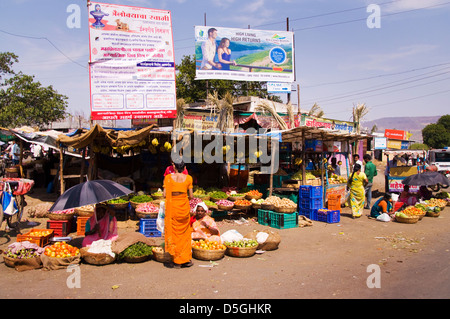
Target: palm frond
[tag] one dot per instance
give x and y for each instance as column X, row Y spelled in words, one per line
column 264, row 107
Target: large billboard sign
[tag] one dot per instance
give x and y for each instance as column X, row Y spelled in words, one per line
column 244, row 54
column 131, row 62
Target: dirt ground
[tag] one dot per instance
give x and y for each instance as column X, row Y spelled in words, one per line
column 323, row 261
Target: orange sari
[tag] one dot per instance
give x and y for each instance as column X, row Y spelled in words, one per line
column 177, row 228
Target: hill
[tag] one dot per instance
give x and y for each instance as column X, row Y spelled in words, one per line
column 411, row 124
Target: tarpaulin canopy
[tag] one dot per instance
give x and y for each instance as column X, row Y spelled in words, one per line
column 111, row 137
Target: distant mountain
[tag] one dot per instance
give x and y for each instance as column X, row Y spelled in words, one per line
column 411, row 124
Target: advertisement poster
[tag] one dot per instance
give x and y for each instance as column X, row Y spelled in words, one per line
column 328, row 124
column 132, row 63
column 277, row 87
column 244, row 54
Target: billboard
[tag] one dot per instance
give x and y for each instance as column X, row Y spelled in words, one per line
column 395, row 134
column 244, row 54
column 131, row 62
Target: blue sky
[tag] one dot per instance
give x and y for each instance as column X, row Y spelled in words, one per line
column 399, row 69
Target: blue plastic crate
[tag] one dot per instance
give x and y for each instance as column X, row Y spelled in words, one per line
column 283, row 221
column 264, row 217
column 328, row 216
column 309, row 213
column 311, row 203
column 309, row 191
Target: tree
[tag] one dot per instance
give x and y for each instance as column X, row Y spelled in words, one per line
column 436, row 135
column 192, row 90
column 24, row 101
column 445, row 122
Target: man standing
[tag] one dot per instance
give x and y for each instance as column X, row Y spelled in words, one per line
column 209, row 51
column 371, row 171
column 15, row 153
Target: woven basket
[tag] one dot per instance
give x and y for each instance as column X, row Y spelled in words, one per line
column 407, row 220
column 285, row 210
column 242, row 206
column 96, row 259
column 137, row 259
column 235, row 198
column 140, row 214
column 203, row 197
column 60, row 216
column 12, row 169
column 83, row 212
column 433, row 214
column 135, row 204
column 212, row 207
column 241, row 251
column 203, row 254
column 118, row 205
column 227, row 208
column 250, row 197
column 267, row 206
column 157, row 196
column 421, row 216
column 163, row 257
column 256, row 206
column 214, row 199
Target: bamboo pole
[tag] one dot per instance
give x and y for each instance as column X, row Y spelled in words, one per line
column 61, row 170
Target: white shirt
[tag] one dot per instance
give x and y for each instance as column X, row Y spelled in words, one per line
column 208, row 52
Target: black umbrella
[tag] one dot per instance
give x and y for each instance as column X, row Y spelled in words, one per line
column 426, row 179
column 88, row 193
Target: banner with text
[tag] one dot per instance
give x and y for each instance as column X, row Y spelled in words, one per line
column 132, row 62
column 244, row 54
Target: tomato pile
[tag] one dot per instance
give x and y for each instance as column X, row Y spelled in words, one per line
column 413, row 211
column 61, row 250
column 254, row 193
column 207, row 245
column 242, row 202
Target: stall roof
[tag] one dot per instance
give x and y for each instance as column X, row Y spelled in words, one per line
column 297, row 133
column 403, row 152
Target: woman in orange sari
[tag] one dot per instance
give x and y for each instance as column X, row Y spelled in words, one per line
column 177, row 227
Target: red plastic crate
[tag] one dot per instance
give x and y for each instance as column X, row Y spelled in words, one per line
column 60, row 227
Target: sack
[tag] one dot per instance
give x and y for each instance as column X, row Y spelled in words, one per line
column 384, row 218
column 160, row 218
column 231, row 235
column 8, row 201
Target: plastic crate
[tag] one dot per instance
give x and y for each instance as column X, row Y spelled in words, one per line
column 81, row 225
column 38, row 240
column 311, row 203
column 309, row 213
column 264, row 217
column 334, row 202
column 309, row 191
column 147, row 227
column 60, row 227
column 328, row 216
column 283, row 221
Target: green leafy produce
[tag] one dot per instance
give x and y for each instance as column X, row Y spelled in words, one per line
column 141, row 198
column 442, row 195
column 242, row 243
column 199, row 191
column 138, row 249
column 209, row 203
column 117, row 201
column 218, row 194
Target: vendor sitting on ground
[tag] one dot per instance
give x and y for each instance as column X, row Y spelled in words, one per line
column 204, row 226
column 101, row 225
column 425, row 193
column 382, row 205
column 406, row 197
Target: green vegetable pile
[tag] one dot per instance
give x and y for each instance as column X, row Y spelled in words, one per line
column 242, row 243
column 209, row 203
column 218, row 194
column 141, row 198
column 138, row 249
column 117, row 201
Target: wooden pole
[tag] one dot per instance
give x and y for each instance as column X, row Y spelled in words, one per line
column 83, row 166
column 20, row 159
column 61, row 170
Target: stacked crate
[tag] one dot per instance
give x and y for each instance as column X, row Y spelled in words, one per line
column 310, row 200
column 147, row 227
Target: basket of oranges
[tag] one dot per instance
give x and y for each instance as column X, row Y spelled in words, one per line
column 207, row 250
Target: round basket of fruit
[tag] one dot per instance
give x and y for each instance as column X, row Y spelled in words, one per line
column 217, row 196
column 207, row 250
column 241, row 248
column 256, row 203
column 18, row 253
column 118, row 203
column 285, row 206
column 211, row 205
column 147, row 210
column 158, row 195
column 242, row 204
column 85, row 211
column 225, row 204
column 61, row 214
column 406, row 219
column 236, row 196
column 253, row 194
column 96, row 258
column 159, row 254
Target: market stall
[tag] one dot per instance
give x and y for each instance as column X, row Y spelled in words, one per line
column 399, row 165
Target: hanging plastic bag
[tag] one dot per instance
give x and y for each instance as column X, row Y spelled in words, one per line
column 8, row 201
column 160, row 218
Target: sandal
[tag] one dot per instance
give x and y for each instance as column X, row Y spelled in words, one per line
column 172, row 265
column 188, row 264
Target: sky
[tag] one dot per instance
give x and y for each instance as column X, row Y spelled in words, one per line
column 343, row 56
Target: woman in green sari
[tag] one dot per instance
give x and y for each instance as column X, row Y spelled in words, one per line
column 357, row 193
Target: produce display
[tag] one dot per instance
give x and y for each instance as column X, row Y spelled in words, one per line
column 158, row 194
column 209, row 203
column 436, row 202
column 23, row 251
column 61, row 250
column 242, row 243
column 218, row 194
column 413, row 211
column 198, row 191
column 67, row 211
column 138, row 249
column 337, row 179
column 299, row 175
column 257, row 201
column 271, row 200
column 225, row 202
column 208, row 245
column 286, row 203
column 141, row 199
column 147, row 208
column 255, row 193
column 117, row 201
column 242, row 202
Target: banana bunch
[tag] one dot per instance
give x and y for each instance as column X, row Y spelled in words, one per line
column 298, row 161
column 155, row 142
